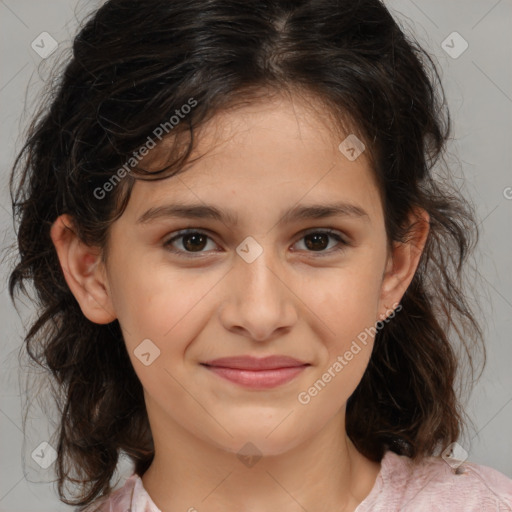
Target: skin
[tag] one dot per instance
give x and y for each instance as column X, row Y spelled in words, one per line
column 257, row 161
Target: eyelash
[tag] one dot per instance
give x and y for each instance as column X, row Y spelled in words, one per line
column 187, row 254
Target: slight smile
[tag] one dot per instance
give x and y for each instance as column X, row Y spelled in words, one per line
column 257, row 373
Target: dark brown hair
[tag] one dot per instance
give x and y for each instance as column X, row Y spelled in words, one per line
column 133, row 64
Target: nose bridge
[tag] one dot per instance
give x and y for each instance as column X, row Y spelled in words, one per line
column 255, row 269
column 260, row 301
column 258, row 275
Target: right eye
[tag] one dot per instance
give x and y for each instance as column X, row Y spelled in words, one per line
column 191, row 239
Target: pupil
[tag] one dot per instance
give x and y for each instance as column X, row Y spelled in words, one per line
column 316, row 237
column 194, row 236
column 197, row 237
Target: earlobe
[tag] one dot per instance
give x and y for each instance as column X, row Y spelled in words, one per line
column 403, row 262
column 83, row 271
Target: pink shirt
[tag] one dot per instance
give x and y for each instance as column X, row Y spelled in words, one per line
column 431, row 486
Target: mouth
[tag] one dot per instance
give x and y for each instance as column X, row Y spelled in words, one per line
column 256, row 363
column 257, row 373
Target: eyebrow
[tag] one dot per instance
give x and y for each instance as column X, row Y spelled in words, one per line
column 204, row 211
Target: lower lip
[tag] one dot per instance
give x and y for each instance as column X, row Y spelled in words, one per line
column 258, row 379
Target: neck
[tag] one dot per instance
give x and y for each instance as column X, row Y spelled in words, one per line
column 326, row 473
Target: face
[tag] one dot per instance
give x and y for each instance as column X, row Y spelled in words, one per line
column 257, row 282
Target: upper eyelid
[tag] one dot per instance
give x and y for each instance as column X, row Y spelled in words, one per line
column 176, row 235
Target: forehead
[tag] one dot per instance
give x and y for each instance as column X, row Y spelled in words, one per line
column 294, row 115
column 269, row 152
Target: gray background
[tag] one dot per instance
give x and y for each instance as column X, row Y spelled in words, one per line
column 479, row 91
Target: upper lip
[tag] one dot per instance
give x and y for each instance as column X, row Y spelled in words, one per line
column 255, row 363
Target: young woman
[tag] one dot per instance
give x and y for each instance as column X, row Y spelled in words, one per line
column 246, row 267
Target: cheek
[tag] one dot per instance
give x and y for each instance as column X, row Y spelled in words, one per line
column 345, row 299
column 162, row 304
column 347, row 308
column 160, row 315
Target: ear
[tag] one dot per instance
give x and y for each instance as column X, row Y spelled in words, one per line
column 403, row 261
column 83, row 270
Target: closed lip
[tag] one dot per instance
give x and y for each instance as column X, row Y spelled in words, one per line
column 256, row 363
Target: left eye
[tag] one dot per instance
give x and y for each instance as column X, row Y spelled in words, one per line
column 316, row 240
column 194, row 241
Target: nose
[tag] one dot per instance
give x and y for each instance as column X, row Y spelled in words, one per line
column 260, row 302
